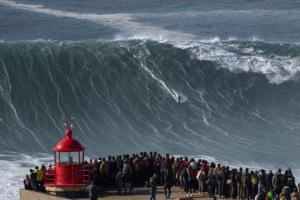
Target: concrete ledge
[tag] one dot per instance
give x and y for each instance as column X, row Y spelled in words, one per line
column 111, row 194
column 65, row 189
column 32, row 195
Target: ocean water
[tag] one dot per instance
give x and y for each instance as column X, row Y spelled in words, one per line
column 117, row 68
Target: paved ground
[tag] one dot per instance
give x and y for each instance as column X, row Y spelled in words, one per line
column 143, row 194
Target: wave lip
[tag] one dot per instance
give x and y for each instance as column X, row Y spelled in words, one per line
column 250, row 57
column 277, row 69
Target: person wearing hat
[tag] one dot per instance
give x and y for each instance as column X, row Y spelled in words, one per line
column 284, row 193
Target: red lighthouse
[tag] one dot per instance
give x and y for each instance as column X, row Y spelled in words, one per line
column 69, row 176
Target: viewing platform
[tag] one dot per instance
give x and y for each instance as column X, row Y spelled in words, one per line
column 71, row 177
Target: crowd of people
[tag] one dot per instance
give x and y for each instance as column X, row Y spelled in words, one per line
column 125, row 172
column 35, row 180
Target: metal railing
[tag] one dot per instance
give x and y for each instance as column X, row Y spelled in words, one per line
column 85, row 172
column 50, row 177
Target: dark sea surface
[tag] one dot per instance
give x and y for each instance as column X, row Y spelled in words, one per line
column 118, row 67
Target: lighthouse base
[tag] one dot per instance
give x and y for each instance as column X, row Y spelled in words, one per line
column 70, row 191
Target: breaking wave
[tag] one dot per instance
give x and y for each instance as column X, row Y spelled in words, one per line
column 124, row 94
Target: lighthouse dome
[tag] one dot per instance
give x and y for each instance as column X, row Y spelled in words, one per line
column 68, row 144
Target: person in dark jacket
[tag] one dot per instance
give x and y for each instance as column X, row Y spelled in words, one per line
column 211, row 184
column 119, row 181
column 239, row 183
column 224, row 176
column 153, row 185
column 233, row 178
column 262, row 183
column 277, row 182
column 33, row 180
column 168, row 177
column 27, row 183
column 127, row 177
column 269, row 178
column 186, row 178
column 246, row 184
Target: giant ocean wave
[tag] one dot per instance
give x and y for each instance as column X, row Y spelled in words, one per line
column 123, row 95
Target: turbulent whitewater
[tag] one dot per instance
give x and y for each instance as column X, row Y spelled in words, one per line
column 118, row 67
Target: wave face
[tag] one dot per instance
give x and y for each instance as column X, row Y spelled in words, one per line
column 123, row 98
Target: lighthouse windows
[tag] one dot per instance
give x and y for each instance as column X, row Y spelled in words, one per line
column 74, row 157
column 64, row 157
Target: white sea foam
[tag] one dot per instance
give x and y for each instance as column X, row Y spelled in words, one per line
column 221, row 13
column 277, row 68
column 13, row 168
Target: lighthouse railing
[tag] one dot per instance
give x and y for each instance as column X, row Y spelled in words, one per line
column 86, row 174
column 78, row 175
column 50, row 177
